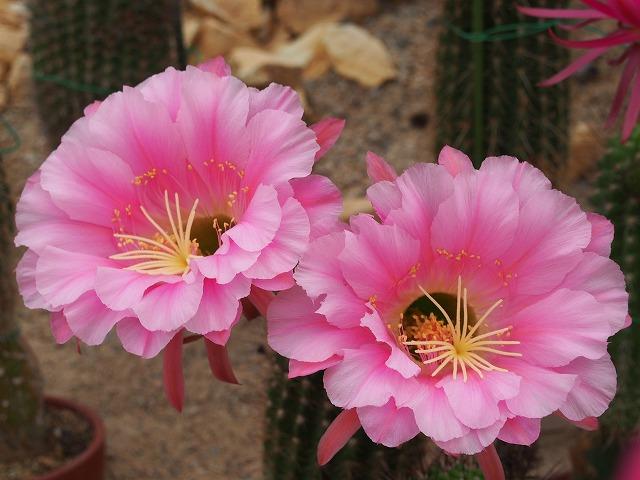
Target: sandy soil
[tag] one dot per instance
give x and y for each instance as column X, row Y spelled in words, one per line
column 219, row 435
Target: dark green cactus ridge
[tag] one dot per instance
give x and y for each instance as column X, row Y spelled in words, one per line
column 488, row 101
column 85, row 49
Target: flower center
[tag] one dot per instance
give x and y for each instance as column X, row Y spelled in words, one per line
column 169, row 252
column 441, row 342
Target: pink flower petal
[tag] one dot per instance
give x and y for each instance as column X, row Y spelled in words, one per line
column 525, row 179
column 454, row 161
column 601, row 235
column 343, row 427
column 475, row 441
column 281, row 147
column 378, row 169
column 633, row 111
column 630, row 70
column 300, row 369
column 261, row 300
column 90, row 320
column 322, row 202
column 219, row 305
column 327, row 132
column 217, row 66
column 228, row 261
column 172, row 372
column 434, row 414
column 388, row 425
column 575, row 66
column 284, row 281
column 560, row 12
column 164, row 89
column 520, row 431
column 291, row 317
column 287, row 246
column 542, row 391
column 259, row 222
column 120, row 289
column 219, row 363
column 275, row 97
column 59, row 327
column 168, row 306
column 594, row 389
column 138, row 340
column 26, row 277
column 589, row 424
column 61, row 276
column 384, row 197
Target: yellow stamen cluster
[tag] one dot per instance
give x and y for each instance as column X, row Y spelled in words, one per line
column 457, row 344
column 167, row 253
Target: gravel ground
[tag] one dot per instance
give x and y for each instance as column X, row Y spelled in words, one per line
column 219, row 435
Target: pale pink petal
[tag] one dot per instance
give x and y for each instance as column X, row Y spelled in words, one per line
column 384, row 197
column 520, row 431
column 59, row 327
column 601, row 235
column 61, row 276
column 319, row 270
column 594, row 389
column 168, row 306
column 291, row 318
column 120, row 289
column 212, row 120
column 284, row 281
column 490, row 464
column 90, row 320
column 546, row 341
column 602, row 278
column 388, row 425
column 69, row 176
column 362, row 379
column 321, row 200
column 475, row 441
column 454, row 161
column 327, row 132
column 479, row 206
column 288, row 245
column 343, row 427
column 281, row 147
column 138, row 340
column 423, row 187
column 399, row 359
column 301, row 369
column 434, row 414
column 221, row 337
column 378, row 258
column 219, row 363
column 26, row 277
column 217, row 66
column 275, row 97
column 172, row 374
column 260, row 299
column 259, row 222
column 91, row 108
column 378, row 169
column 164, row 89
column 228, row 261
column 525, row 179
column 542, row 391
column 40, row 224
column 589, row 424
column 219, row 305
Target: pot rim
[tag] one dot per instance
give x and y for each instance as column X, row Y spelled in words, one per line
column 97, row 440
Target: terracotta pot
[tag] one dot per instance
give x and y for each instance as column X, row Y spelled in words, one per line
column 89, row 465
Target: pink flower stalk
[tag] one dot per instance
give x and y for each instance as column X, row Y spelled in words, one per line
column 165, row 204
column 627, row 14
column 479, row 303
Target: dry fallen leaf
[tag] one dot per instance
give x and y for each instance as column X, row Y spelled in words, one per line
column 12, row 41
column 243, row 14
column 358, row 55
column 300, row 15
column 217, row 38
column 190, row 28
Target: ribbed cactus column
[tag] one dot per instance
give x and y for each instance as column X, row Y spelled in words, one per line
column 84, row 49
column 20, row 381
column 298, row 413
column 618, row 197
column 488, row 101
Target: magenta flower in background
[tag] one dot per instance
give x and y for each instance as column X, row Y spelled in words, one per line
column 479, row 303
column 627, row 14
column 168, row 203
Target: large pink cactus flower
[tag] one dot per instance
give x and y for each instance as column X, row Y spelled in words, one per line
column 479, row 303
column 166, row 204
column 627, row 15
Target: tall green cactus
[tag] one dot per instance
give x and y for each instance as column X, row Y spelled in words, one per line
column 298, row 413
column 488, row 101
column 20, row 381
column 85, row 49
column 618, row 198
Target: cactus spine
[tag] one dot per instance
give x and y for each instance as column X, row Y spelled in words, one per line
column 487, row 99
column 85, row 49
